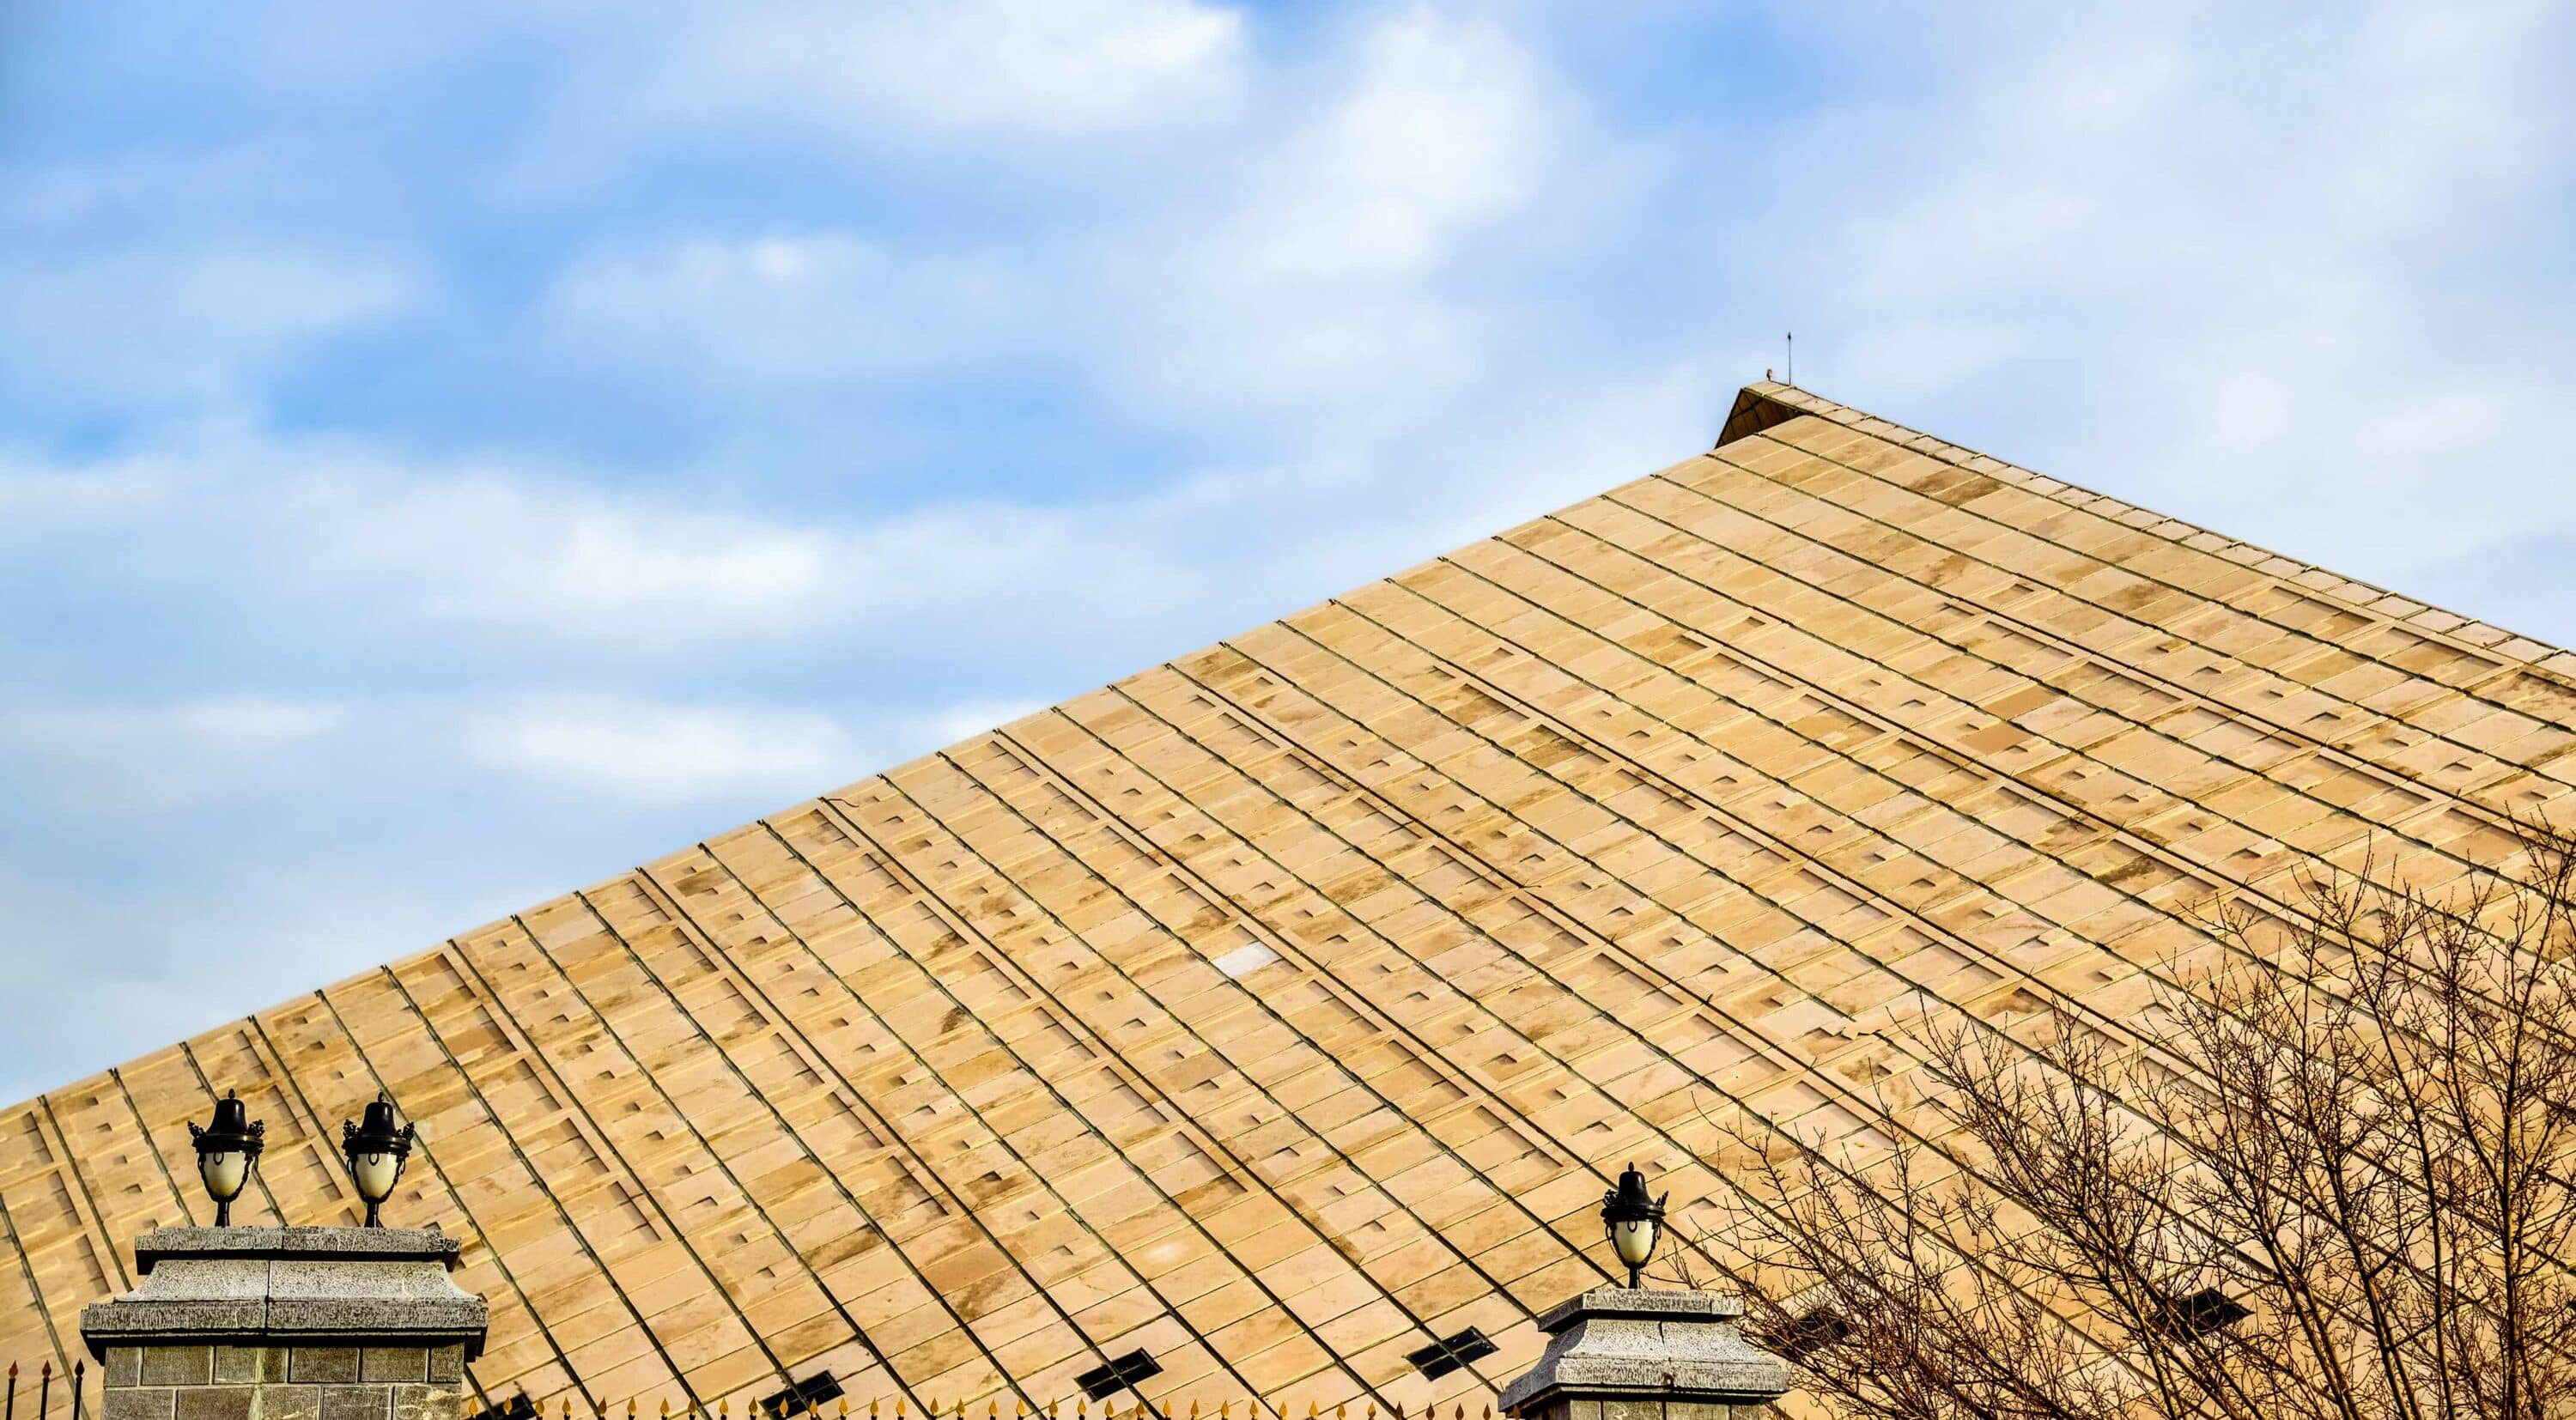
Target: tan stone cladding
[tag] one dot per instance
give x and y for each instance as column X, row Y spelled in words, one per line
column 1285, row 1008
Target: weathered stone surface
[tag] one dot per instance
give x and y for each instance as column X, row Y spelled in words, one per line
column 123, row 1367
column 249, row 1365
column 1616, row 1353
column 137, row 1404
column 380, row 1244
column 287, row 1284
column 216, row 1402
column 356, row 1402
column 394, row 1363
column 288, row 1324
column 178, row 1365
column 324, row 1363
column 290, row 1402
column 426, row 1402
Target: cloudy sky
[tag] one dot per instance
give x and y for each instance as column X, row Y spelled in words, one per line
column 446, row 457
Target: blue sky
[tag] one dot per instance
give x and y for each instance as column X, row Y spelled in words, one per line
column 446, row 457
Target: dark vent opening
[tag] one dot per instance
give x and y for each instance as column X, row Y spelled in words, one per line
column 811, row 1391
column 1122, row 1373
column 517, row 1407
column 1450, row 1353
column 2201, row 1313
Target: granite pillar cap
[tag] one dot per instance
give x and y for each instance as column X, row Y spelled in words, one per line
column 1618, row 1343
column 249, row 1286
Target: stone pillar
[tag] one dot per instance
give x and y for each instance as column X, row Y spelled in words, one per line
column 1616, row 1353
column 288, row 1324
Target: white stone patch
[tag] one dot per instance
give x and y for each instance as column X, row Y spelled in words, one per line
column 1245, row 960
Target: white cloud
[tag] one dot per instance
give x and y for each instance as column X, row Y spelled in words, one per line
column 1014, row 66
column 146, row 325
column 772, row 312
column 2257, row 279
column 539, row 551
column 1445, row 127
column 1319, row 276
column 653, row 751
column 222, row 724
column 35, row 497
column 115, row 757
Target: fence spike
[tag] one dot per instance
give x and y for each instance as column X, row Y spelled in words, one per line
column 666, row 1405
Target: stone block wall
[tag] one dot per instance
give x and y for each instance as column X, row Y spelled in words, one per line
column 1653, row 1408
column 284, row 1382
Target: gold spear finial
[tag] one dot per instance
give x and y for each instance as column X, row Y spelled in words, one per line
column 666, row 1407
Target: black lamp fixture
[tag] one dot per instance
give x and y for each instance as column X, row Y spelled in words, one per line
column 1633, row 1221
column 227, row 1153
column 377, row 1151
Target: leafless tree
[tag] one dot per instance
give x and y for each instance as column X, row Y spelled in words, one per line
column 2331, row 1176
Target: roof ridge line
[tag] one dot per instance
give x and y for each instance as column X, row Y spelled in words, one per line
column 1765, row 403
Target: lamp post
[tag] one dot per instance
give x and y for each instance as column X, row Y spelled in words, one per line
column 1632, row 1221
column 227, row 1153
column 377, row 1151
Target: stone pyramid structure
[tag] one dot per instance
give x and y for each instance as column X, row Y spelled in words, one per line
column 1270, row 1022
